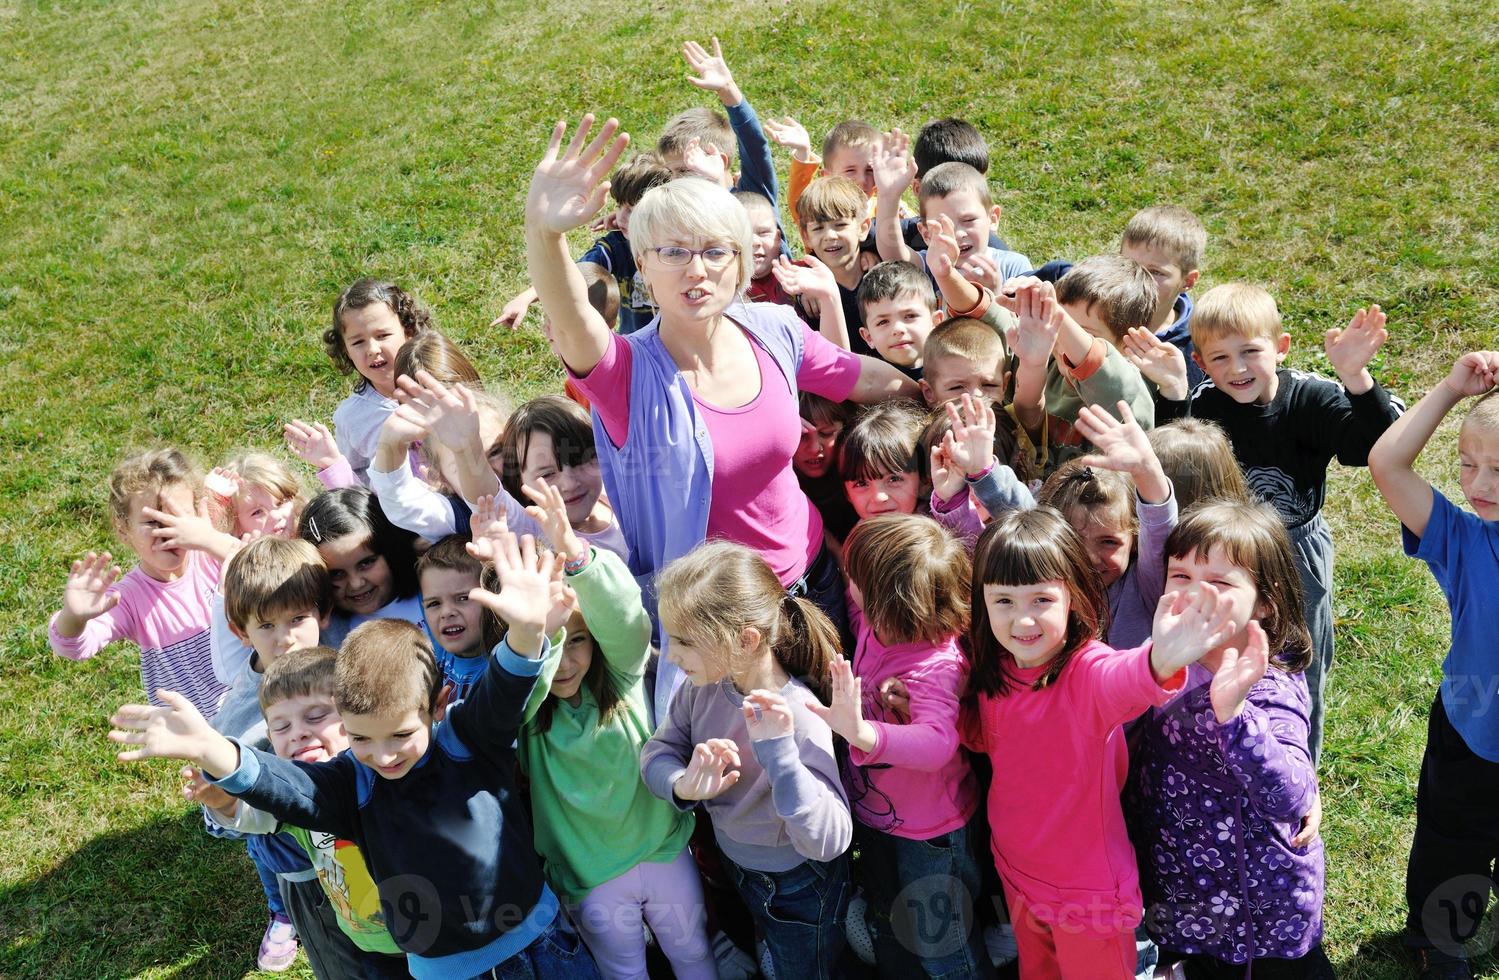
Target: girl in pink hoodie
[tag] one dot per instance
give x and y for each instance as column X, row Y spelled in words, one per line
column 911, row 789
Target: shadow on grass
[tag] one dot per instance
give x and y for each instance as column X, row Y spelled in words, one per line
column 162, row 897
column 1383, row 955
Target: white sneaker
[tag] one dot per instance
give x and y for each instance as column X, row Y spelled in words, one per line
column 857, row 929
column 733, row 962
column 999, row 942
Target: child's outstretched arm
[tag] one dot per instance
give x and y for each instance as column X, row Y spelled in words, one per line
column 1392, row 460
column 1033, row 338
column 567, row 189
column 194, row 531
column 809, row 278
column 1160, row 362
column 1187, row 625
column 809, row 800
column 757, row 170
column 318, row 796
column 1350, row 425
column 926, row 743
column 87, row 623
column 792, row 135
column 314, row 445
column 894, row 169
column 513, row 314
column 1122, row 446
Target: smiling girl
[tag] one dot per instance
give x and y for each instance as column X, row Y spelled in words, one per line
column 371, row 562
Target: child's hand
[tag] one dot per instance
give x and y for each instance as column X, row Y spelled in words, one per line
column 807, row 278
column 712, row 72
column 1238, row 673
column 788, row 133
column 550, row 512
column 894, row 168
column 312, row 443
column 450, row 414
column 714, row 768
column 947, row 476
column 569, row 189
column 1035, row 306
column 1188, row 624
column 1121, row 445
column 767, row 715
column 972, row 434
column 942, row 249
column 406, row 425
column 526, row 595
column 981, row 270
column 846, row 716
column 1310, row 824
column 487, row 528
column 1474, row 373
column 1351, row 349
column 513, row 314
column 199, row 790
column 193, row 531
column 174, row 731
column 896, row 698
column 86, row 594
column 1157, row 360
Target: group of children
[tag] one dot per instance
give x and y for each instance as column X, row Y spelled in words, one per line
column 1089, row 587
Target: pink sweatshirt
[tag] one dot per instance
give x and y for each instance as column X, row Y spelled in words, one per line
column 169, row 621
column 1059, row 757
column 916, row 782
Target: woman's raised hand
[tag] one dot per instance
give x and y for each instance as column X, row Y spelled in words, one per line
column 568, row 190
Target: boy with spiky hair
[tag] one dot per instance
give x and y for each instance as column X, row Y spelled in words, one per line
column 899, row 309
column 832, row 218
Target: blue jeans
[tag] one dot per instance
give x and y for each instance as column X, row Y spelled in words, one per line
column 800, row 913
column 922, row 896
column 556, row 954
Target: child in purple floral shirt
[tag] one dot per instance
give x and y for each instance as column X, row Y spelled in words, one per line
column 1223, row 776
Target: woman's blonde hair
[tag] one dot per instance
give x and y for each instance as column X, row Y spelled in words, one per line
column 694, row 211
column 710, row 595
column 913, row 575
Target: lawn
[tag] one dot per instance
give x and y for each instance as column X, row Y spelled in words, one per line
column 185, row 186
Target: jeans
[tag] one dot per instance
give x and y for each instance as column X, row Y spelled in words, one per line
column 801, row 914
column 922, row 898
column 556, row 954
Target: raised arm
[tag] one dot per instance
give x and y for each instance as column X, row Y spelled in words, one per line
column 565, row 192
column 1392, row 460
column 894, row 169
column 452, row 415
column 879, row 381
column 809, row 278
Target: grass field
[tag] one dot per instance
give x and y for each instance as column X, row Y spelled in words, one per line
column 185, row 186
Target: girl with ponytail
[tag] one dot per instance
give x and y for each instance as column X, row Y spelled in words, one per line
column 742, row 738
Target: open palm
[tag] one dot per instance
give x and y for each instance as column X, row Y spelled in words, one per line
column 1238, row 673
column 569, row 189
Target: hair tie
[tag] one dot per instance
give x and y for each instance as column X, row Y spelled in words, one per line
column 1086, row 473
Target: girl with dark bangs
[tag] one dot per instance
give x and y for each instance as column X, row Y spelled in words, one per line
column 1051, row 703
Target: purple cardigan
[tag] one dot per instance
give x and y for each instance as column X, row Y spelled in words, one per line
column 1213, row 808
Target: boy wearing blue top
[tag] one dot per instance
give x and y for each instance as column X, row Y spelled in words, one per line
column 1451, row 867
column 435, row 810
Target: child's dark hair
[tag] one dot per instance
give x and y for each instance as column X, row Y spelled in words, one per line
column 298, row 674
column 823, row 411
column 1252, row 536
column 884, row 439
column 630, row 180
column 1008, row 448
column 949, row 140
column 914, row 577
column 603, row 292
column 712, row 593
column 599, row 682
column 1196, row 456
column 450, row 554
column 367, row 292
column 559, row 417
column 433, row 352
column 1101, row 495
column 1023, row 548
column 355, row 510
column 892, row 280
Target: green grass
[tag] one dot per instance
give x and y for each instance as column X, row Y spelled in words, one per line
column 185, row 186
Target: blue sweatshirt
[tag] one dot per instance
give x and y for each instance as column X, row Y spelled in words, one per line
column 449, row 844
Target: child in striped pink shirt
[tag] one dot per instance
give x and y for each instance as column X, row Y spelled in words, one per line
column 165, row 603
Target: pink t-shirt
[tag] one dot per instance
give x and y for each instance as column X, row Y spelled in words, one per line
column 757, row 501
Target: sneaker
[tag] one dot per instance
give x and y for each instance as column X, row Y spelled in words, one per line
column 999, row 942
column 278, row 947
column 1436, row 965
column 733, row 962
column 857, row 930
